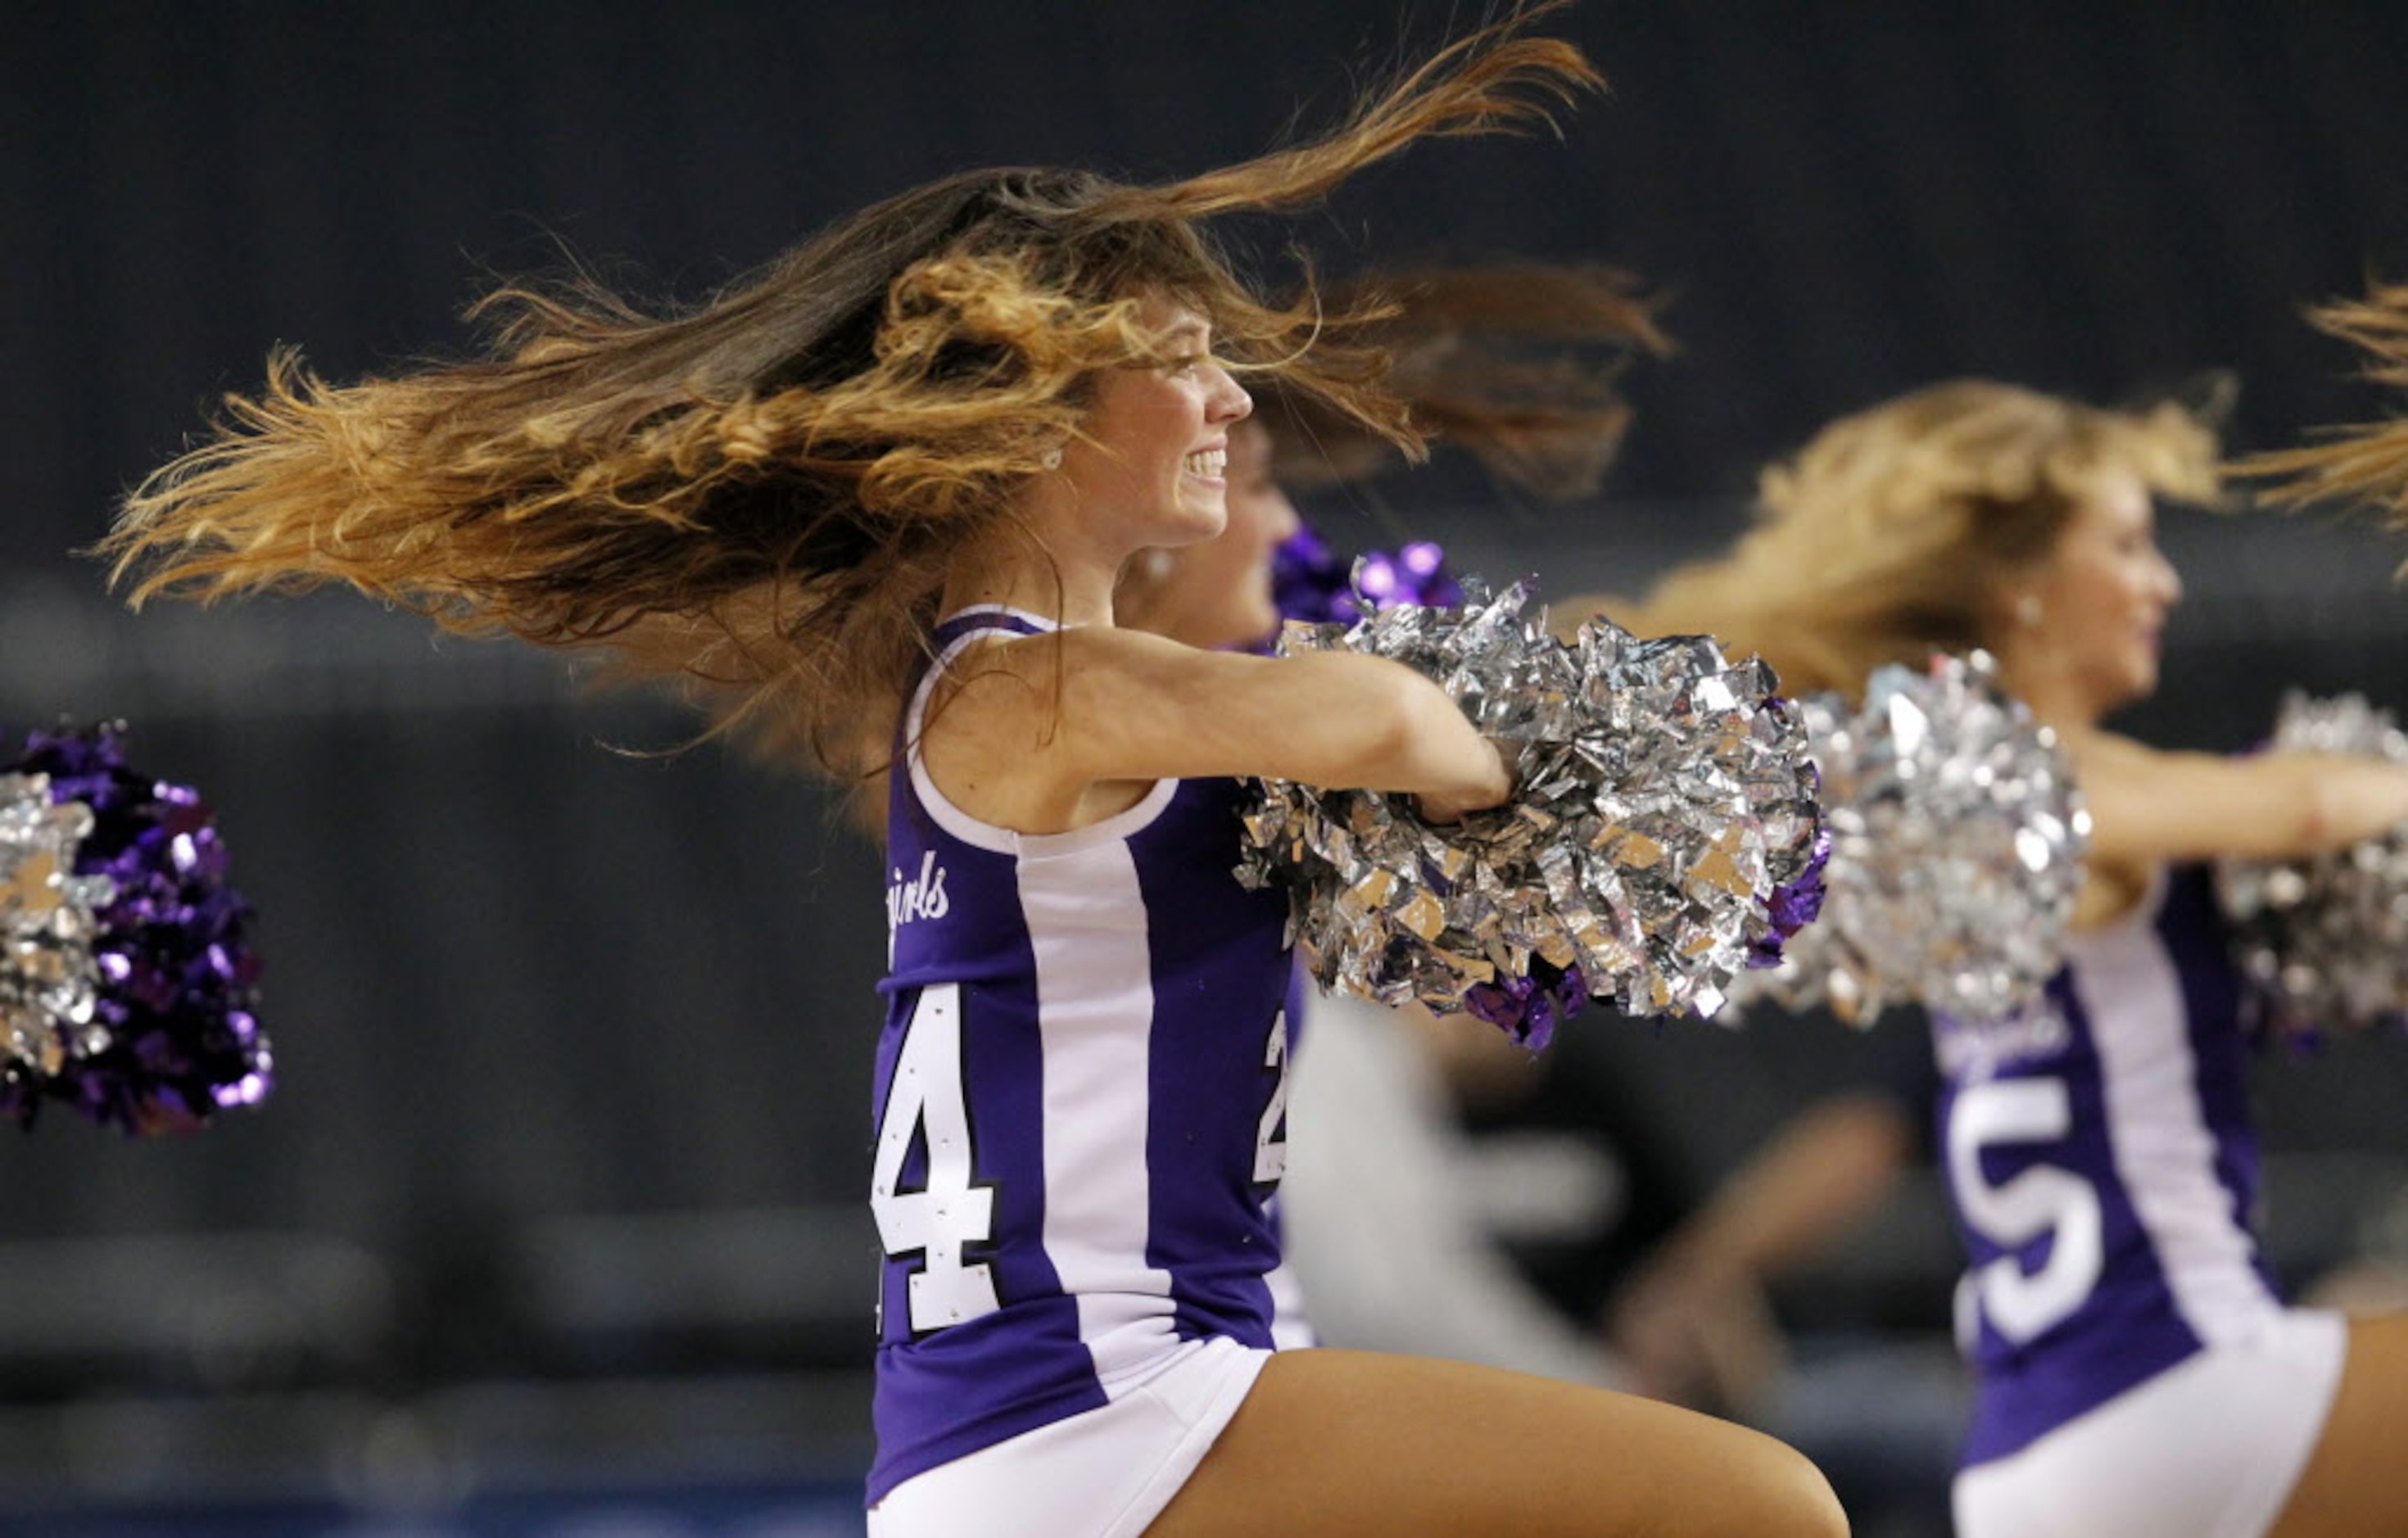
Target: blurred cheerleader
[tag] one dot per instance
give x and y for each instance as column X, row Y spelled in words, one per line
column 896, row 479
column 2136, row 1374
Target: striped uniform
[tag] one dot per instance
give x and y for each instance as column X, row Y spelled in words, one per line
column 2103, row 1174
column 1081, row 1101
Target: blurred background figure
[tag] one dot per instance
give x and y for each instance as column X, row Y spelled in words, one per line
column 2135, row 1369
column 459, row 1277
column 1645, row 1208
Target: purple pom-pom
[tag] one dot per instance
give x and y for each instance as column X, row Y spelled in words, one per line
column 1526, row 1009
column 1794, row 904
column 1310, row 583
column 172, row 1036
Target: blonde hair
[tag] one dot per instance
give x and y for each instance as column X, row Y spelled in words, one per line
column 2364, row 463
column 765, row 491
column 1887, row 535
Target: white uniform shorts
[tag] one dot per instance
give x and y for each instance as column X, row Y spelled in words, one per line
column 1106, row 1473
column 2209, row 1448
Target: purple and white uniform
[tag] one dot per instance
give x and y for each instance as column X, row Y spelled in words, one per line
column 2103, row 1175
column 1081, row 1099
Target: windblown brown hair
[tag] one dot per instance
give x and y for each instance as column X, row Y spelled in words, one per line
column 763, row 492
column 2368, row 461
column 1517, row 364
column 1889, row 534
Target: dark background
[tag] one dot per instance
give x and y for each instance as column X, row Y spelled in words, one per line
column 563, row 1174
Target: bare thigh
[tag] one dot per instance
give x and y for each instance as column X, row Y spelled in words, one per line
column 2356, row 1482
column 1349, row 1442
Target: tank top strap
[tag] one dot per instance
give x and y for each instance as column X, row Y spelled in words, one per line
column 952, row 633
column 979, row 618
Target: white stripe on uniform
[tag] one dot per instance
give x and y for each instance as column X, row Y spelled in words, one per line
column 2165, row 1154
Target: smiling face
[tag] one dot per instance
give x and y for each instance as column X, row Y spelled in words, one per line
column 2080, row 629
column 1152, row 466
column 1217, row 593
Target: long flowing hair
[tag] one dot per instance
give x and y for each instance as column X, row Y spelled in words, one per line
column 2366, row 462
column 1518, row 364
column 1888, row 533
column 765, row 491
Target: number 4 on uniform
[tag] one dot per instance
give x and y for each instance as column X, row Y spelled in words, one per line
column 947, row 1212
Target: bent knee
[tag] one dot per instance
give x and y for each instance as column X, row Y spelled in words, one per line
column 1793, row 1497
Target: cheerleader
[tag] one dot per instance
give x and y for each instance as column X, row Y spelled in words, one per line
column 1517, row 365
column 896, row 478
column 2136, row 1372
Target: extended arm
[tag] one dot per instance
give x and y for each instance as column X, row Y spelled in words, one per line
column 1035, row 727
column 2151, row 805
column 1692, row 1322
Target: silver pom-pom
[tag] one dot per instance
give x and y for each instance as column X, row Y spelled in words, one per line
column 1663, row 795
column 48, row 917
column 1956, row 845
column 2323, row 938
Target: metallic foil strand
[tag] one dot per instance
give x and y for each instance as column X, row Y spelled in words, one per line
column 127, row 984
column 1956, row 837
column 49, row 917
column 2323, row 940
column 1665, row 817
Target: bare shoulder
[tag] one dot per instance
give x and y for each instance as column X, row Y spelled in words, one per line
column 992, row 688
column 1053, row 657
column 1110, row 649
column 2111, row 770
column 986, row 735
column 1009, row 733
column 1076, row 673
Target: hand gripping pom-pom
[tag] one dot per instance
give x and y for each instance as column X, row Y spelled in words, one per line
column 127, row 983
column 2323, row 938
column 1957, row 839
column 1664, row 801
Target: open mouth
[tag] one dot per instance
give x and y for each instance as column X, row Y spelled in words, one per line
column 1211, row 464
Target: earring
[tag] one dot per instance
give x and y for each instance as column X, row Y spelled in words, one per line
column 2027, row 610
column 1051, row 458
column 1156, row 564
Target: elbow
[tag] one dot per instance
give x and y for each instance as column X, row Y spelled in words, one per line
column 2337, row 808
column 1400, row 733
column 1361, row 745
column 2317, row 817
column 1396, row 720
column 2352, row 802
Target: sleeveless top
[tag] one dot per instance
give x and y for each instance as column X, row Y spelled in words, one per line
column 1079, row 1102
column 2102, row 1172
